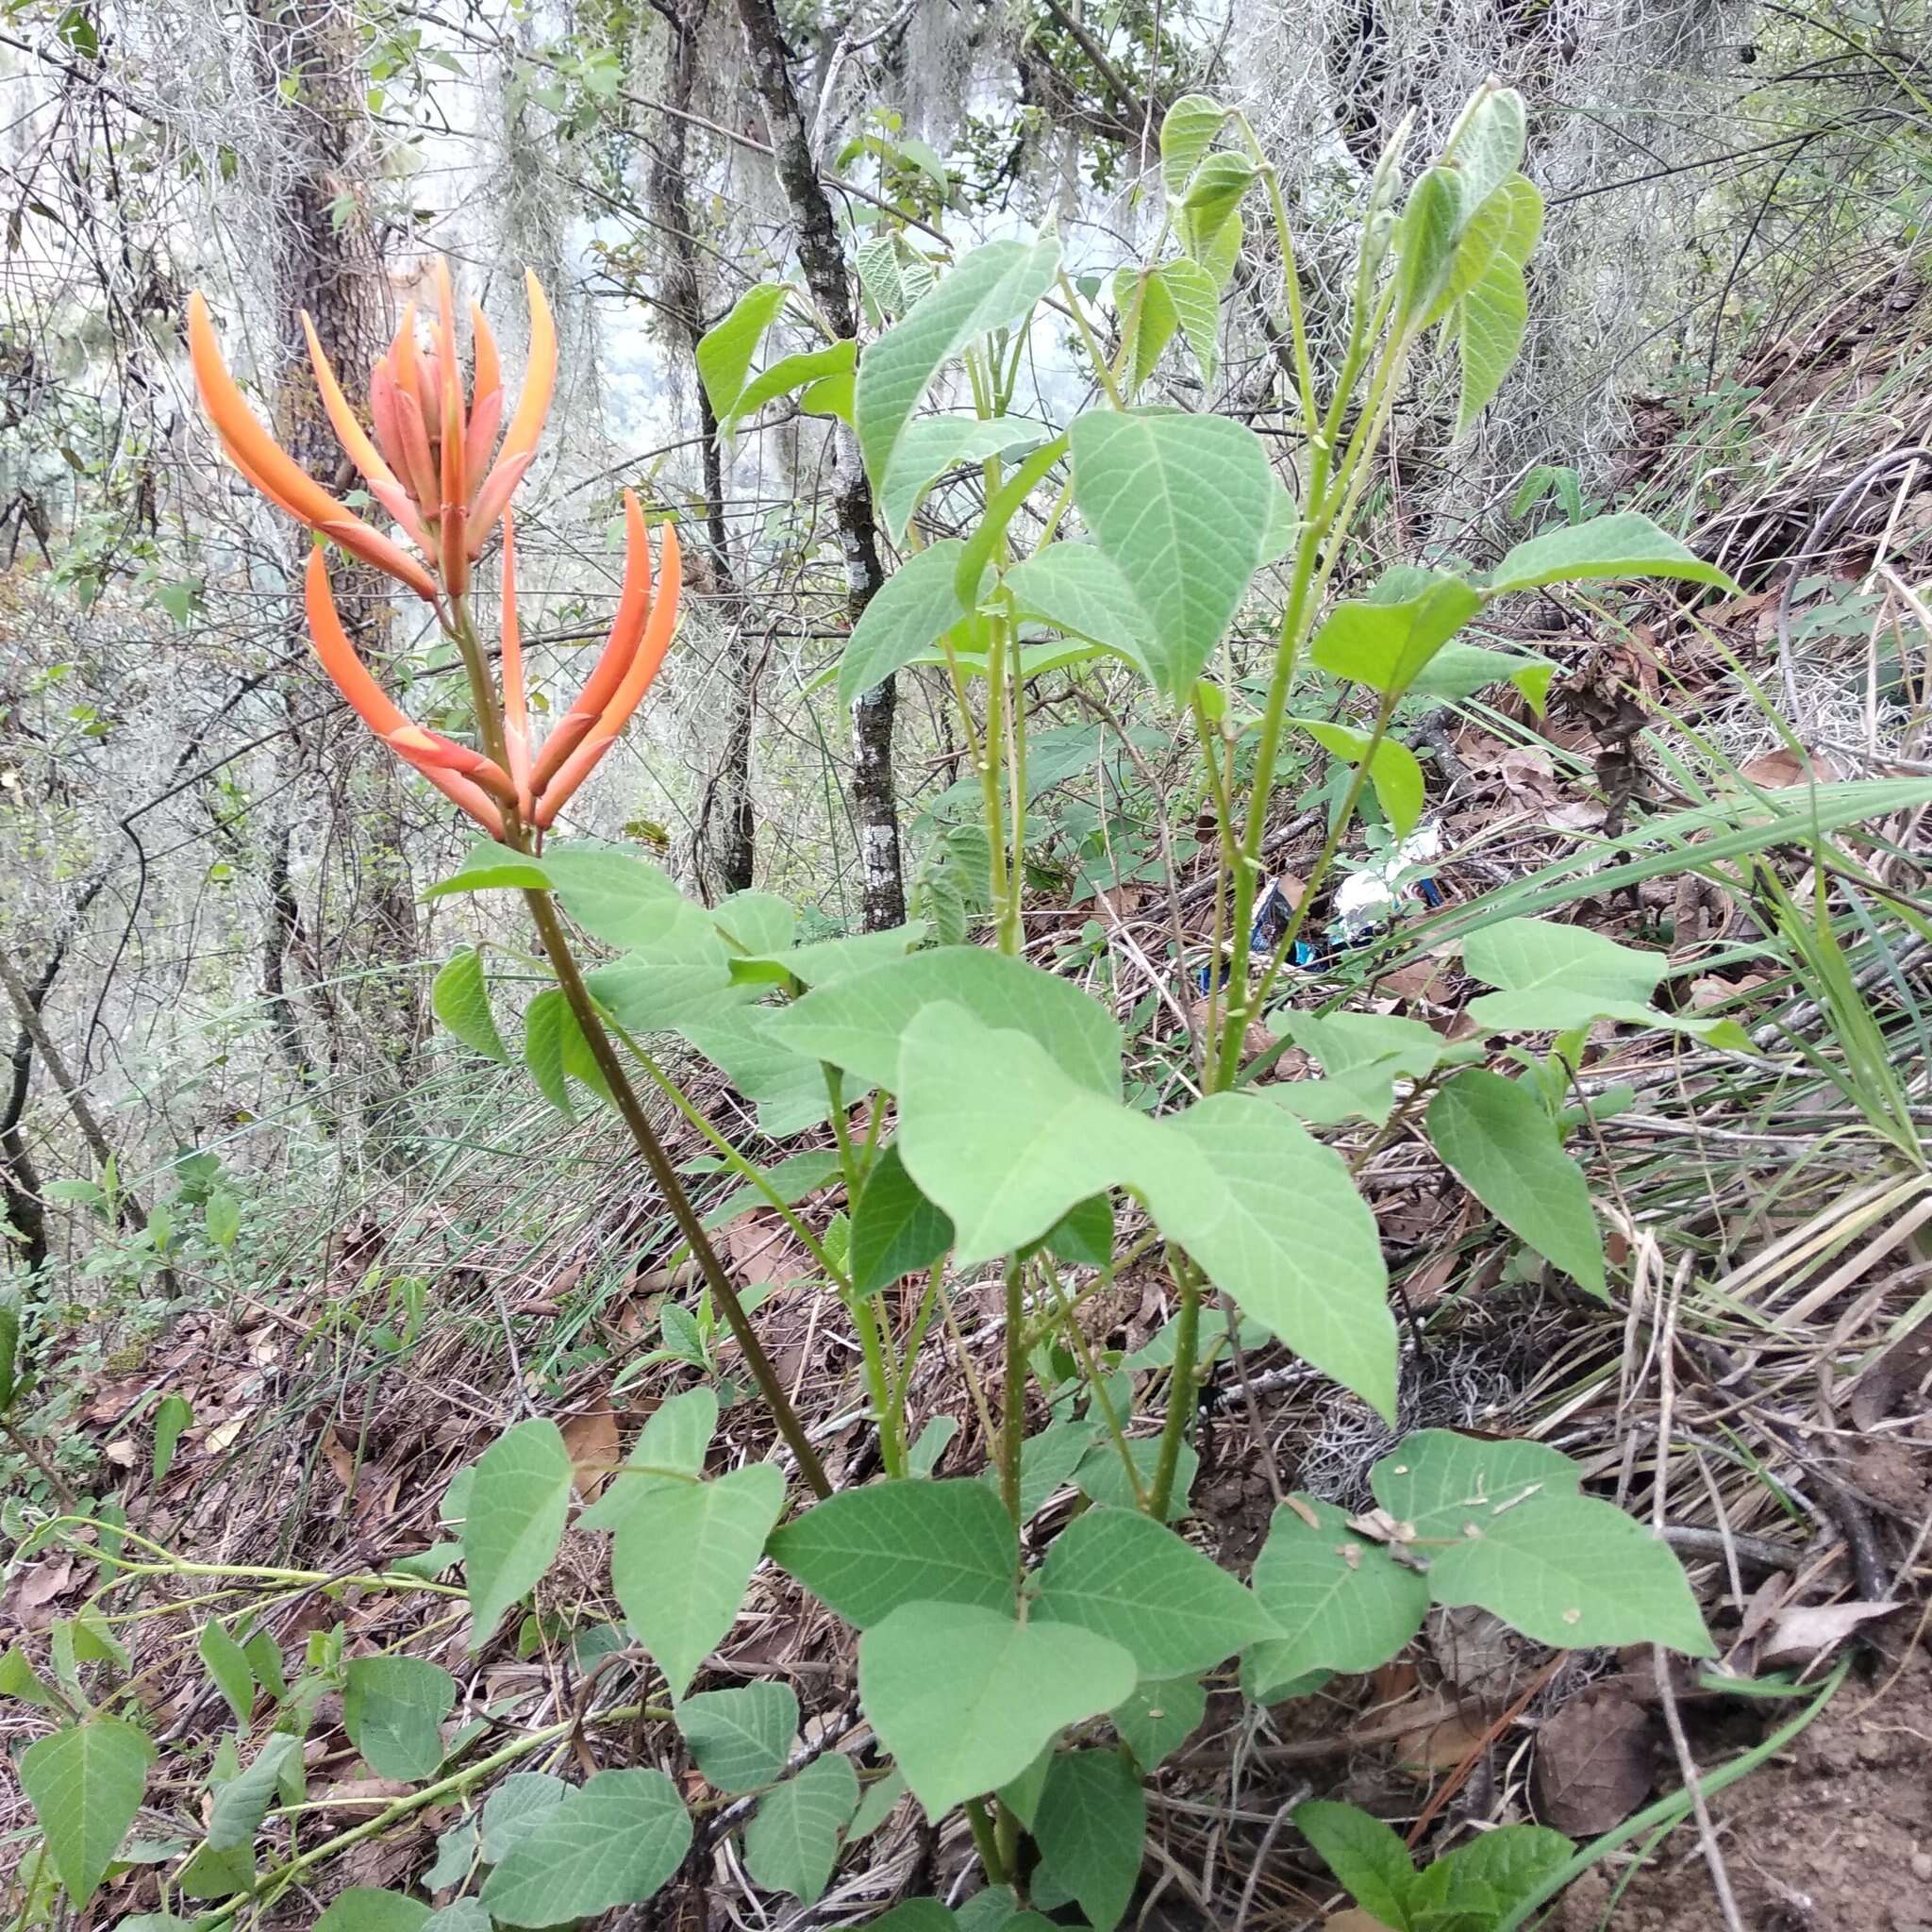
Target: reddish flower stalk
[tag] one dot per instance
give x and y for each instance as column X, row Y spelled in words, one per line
column 429, row 464
column 435, row 465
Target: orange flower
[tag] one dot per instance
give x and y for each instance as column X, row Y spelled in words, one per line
column 429, row 462
column 459, row 774
column 647, row 653
column 277, row 476
column 516, row 708
column 536, row 788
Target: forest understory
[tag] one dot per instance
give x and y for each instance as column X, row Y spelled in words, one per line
column 1442, row 1060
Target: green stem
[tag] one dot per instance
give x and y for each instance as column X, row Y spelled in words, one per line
column 1078, row 309
column 1096, row 1380
column 892, row 1452
column 172, row 1565
column 1247, row 865
column 1005, row 1836
column 1290, row 274
column 563, row 963
column 921, row 1321
column 489, row 727
column 1012, row 925
column 273, row 1881
column 1180, row 1391
column 842, row 1131
column 1099, row 1285
column 1013, row 1396
column 985, row 1842
column 1333, row 507
column 991, row 762
column 871, row 1138
column 858, row 1306
column 1323, row 861
column 739, row 1163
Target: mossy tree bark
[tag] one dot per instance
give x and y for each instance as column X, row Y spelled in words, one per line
column 874, row 797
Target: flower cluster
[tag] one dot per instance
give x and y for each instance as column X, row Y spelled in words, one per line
column 436, row 466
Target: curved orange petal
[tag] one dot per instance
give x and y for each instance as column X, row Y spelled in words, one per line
column 657, row 634
column 539, row 378
column 486, row 418
column 277, row 476
column 402, row 508
column 450, row 402
column 620, row 647
column 371, row 704
column 526, row 424
column 255, row 452
column 388, row 422
column 404, row 363
column 464, row 794
column 359, row 540
column 630, row 693
column 339, row 657
column 255, row 480
column 384, row 485
column 489, row 374
column 499, row 486
column 349, row 432
column 430, row 750
column 516, row 709
column 426, row 483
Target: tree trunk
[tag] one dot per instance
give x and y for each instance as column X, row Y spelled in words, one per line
column 331, row 266
column 19, row 1180
column 875, row 799
column 26, row 1001
column 278, row 942
column 729, row 857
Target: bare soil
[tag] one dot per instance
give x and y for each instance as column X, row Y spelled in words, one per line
column 1835, row 1836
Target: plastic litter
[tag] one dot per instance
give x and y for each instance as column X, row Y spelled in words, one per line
column 1368, row 902
column 1365, row 904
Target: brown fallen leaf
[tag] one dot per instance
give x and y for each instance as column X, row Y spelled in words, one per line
column 1422, row 1287
column 763, row 1248
column 1592, row 1762
column 1891, row 1381
column 1353, row 1920
column 377, row 1500
column 369, row 1792
column 1802, row 1633
column 1478, row 1652
column 592, row 1439
column 338, row 1456
column 1443, row 1745
column 380, row 1863
column 1426, row 978
column 223, row 1434
column 1774, row 771
column 113, row 1397
column 1528, row 773
column 1584, row 815
column 1762, row 1605
column 28, row 1601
